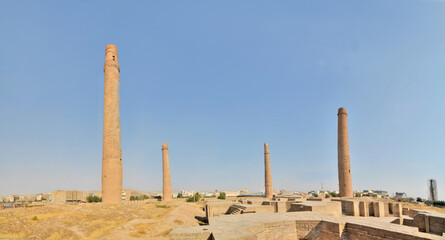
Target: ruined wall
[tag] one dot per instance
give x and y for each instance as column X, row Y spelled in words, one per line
column 300, row 230
column 329, row 208
column 258, row 209
column 315, row 229
column 364, row 209
column 437, row 225
column 430, row 224
column 275, row 230
column 279, row 207
column 355, row 231
column 378, row 209
column 200, row 234
column 330, row 230
column 405, row 211
column 349, row 207
column 308, row 229
column 217, row 208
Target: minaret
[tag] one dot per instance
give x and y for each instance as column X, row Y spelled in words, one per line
column 111, row 152
column 167, row 187
column 344, row 163
column 267, row 172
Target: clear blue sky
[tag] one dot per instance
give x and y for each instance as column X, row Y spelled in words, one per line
column 217, row 79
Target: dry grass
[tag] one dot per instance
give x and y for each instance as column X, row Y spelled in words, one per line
column 423, row 207
column 103, row 229
column 179, row 222
column 97, row 221
column 11, row 235
column 140, row 230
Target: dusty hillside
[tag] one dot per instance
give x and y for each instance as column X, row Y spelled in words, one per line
column 152, row 220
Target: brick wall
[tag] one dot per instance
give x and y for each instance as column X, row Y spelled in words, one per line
column 199, row 234
column 427, row 223
column 355, row 231
column 349, row 207
column 276, row 231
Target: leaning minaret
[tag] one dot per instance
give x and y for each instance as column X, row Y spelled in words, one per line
column 344, row 163
column 267, row 172
column 111, row 152
column 167, row 187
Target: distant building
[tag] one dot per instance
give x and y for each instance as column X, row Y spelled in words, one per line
column 42, row 196
column 314, row 192
column 128, row 193
column 400, row 195
column 209, row 194
column 12, row 198
column 244, row 191
column 231, row 194
column 186, row 193
column 374, row 193
column 383, row 194
column 61, row 196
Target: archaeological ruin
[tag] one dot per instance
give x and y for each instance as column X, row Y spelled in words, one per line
column 297, row 217
column 111, row 151
column 272, row 216
column 344, row 163
column 313, row 218
column 267, row 172
column 167, row 187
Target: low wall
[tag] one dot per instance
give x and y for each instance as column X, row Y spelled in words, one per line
column 378, row 209
column 429, row 223
column 214, row 209
column 405, row 211
column 349, row 207
column 191, row 233
column 355, row 231
column 363, row 209
column 296, row 229
column 275, row 231
column 328, row 208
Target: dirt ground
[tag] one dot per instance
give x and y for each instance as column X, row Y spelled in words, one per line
column 150, row 220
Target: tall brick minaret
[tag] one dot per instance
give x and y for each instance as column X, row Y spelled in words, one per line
column 167, row 186
column 267, row 172
column 344, row 163
column 111, row 152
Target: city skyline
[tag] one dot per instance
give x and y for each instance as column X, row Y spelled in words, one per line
column 216, row 88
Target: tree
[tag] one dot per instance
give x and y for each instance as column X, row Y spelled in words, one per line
column 179, row 195
column 194, row 198
column 333, row 194
column 327, row 195
column 439, row 203
column 315, row 195
column 222, row 195
column 419, row 199
column 94, row 199
column 136, row 198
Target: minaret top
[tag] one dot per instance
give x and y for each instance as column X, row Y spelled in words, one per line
column 266, row 148
column 165, row 146
column 342, row 110
column 111, row 56
column 111, row 53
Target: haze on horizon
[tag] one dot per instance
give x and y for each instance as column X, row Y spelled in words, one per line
column 216, row 80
